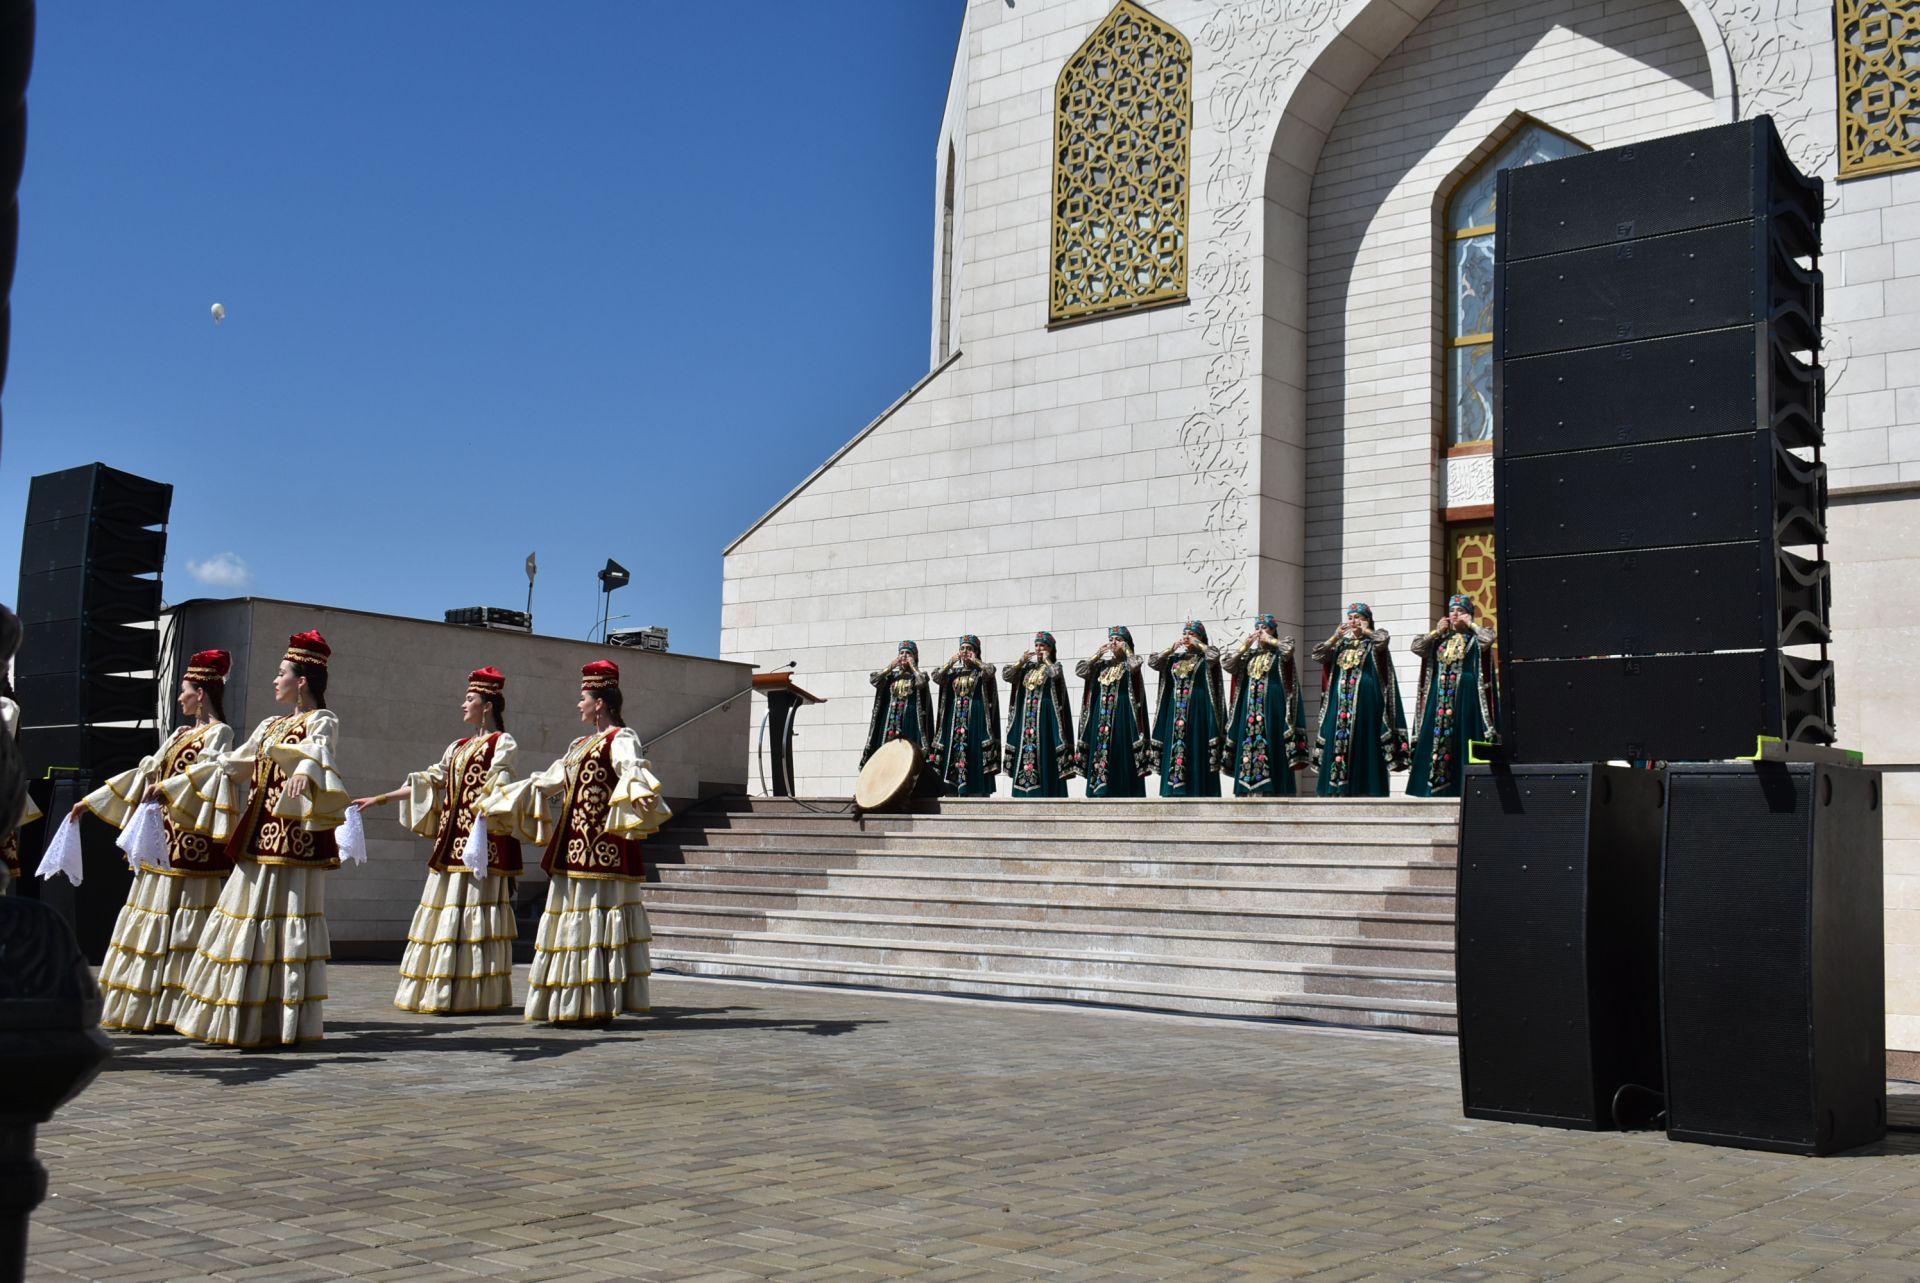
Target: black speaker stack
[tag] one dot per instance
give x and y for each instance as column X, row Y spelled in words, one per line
column 1695, row 939
column 90, row 561
column 1657, row 404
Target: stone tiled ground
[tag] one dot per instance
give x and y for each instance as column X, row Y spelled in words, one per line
column 749, row 1133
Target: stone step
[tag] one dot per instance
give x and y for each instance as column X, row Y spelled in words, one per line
column 1203, row 825
column 1099, row 862
column 1254, row 945
column 1432, row 810
column 1378, row 1012
column 1066, row 844
column 1225, row 975
column 1282, row 915
column 935, row 887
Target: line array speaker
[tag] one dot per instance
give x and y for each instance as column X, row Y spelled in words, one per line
column 1557, row 941
column 1657, row 408
column 1772, row 956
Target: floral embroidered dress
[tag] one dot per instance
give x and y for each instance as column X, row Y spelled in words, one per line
column 1116, row 752
column 259, row 972
column 966, row 748
column 902, row 703
column 459, row 955
column 1458, row 686
column 590, row 959
column 166, row 909
column 1040, row 756
column 1363, row 732
column 1189, row 728
column 1267, row 731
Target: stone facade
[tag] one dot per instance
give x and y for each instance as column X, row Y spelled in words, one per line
column 1275, row 442
column 397, row 685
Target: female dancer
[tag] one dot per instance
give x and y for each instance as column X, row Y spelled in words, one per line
column 155, row 934
column 1189, row 732
column 459, row 956
column 259, row 974
column 1039, row 722
column 1116, row 754
column 590, row 958
column 902, row 704
column 1363, row 733
column 966, row 747
column 1458, row 687
column 1267, row 734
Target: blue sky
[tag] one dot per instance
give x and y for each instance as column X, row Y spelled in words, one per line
column 588, row 279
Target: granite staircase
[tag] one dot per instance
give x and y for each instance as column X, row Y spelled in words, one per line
column 1300, row 908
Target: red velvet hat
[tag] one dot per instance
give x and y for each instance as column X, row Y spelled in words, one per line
column 308, row 648
column 209, row 666
column 599, row 675
column 487, row 681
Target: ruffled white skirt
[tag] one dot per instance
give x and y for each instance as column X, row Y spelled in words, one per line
column 152, row 946
column 590, row 958
column 259, row 975
column 459, row 954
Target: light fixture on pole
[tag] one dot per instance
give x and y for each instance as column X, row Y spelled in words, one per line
column 533, row 568
column 613, row 576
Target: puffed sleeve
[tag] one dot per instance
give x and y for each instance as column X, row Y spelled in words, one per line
column 323, row 803
column 426, row 796
column 115, row 800
column 209, row 795
column 637, row 808
column 1083, row 668
column 522, row 809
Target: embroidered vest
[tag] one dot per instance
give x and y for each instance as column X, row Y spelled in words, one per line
column 467, row 777
column 267, row 838
column 190, row 853
column 581, row 847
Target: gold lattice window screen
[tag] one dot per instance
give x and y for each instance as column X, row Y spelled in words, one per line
column 1122, row 137
column 1470, row 569
column 1879, row 96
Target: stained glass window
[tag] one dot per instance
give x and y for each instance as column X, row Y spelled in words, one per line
column 1470, row 222
column 1122, row 134
column 1470, row 568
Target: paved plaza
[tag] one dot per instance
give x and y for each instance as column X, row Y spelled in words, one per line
column 748, row 1132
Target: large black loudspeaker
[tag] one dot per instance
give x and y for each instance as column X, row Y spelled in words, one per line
column 1557, row 941
column 1771, row 953
column 90, row 562
column 1657, row 408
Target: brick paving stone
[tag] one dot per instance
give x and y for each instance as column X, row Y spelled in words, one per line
column 747, row 1133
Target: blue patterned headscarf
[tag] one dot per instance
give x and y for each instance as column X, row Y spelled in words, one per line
column 1463, row 603
column 1267, row 622
column 1046, row 639
column 910, row 648
column 1121, row 633
column 1198, row 629
column 1361, row 609
column 968, row 639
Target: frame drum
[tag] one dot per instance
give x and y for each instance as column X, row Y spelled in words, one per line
column 888, row 776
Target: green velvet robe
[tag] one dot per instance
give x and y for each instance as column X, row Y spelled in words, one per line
column 1458, row 684
column 966, row 748
column 902, row 709
column 1116, row 754
column 1190, row 724
column 1040, row 756
column 1363, row 732
column 1267, row 731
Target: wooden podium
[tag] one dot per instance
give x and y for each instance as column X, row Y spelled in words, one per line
column 783, row 697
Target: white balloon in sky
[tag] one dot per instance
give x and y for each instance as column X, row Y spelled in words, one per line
column 219, row 313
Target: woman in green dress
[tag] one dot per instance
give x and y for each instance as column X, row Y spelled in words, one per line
column 1363, row 732
column 1458, row 688
column 902, row 704
column 966, row 748
column 1116, row 754
column 1039, row 722
column 1267, row 732
column 1189, row 728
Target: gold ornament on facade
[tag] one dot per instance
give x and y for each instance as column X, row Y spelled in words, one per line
column 1122, row 141
column 1879, row 74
